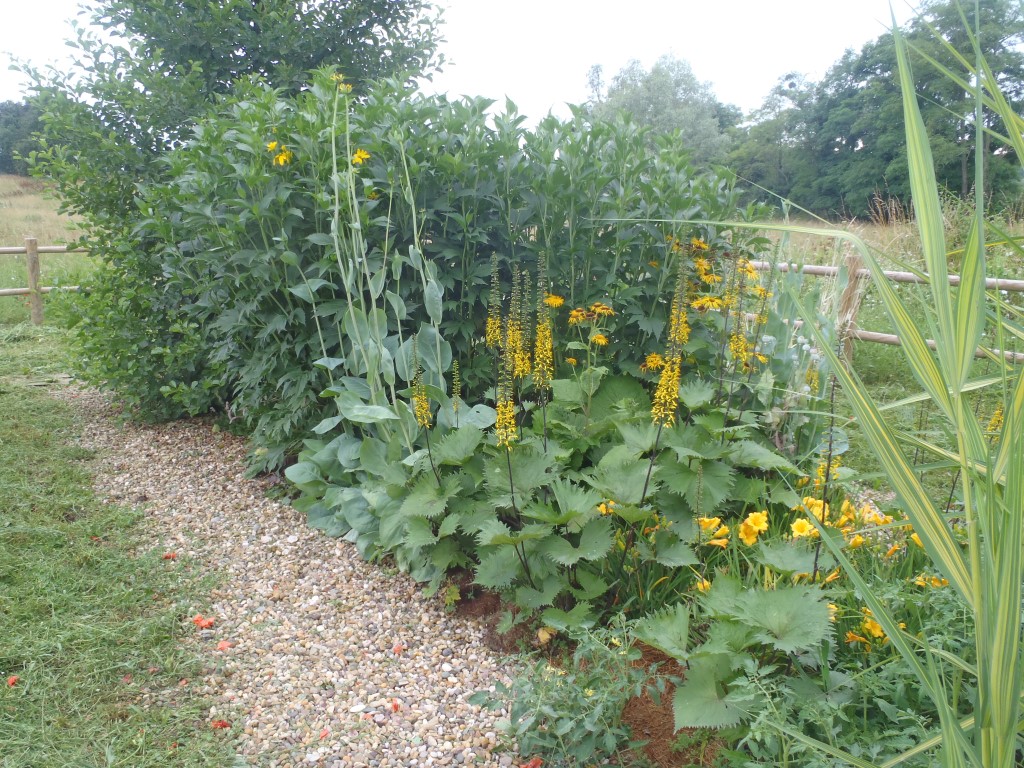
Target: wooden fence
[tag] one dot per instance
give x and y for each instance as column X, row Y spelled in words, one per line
column 849, row 301
column 34, row 291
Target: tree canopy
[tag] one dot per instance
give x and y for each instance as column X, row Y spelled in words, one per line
column 18, row 121
column 834, row 145
column 147, row 70
column 668, row 99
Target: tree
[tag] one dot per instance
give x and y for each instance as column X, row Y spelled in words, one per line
column 848, row 127
column 668, row 99
column 160, row 65
column 18, row 121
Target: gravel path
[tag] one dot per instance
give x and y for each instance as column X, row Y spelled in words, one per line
column 333, row 661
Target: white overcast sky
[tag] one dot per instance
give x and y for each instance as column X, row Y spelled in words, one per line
column 538, row 52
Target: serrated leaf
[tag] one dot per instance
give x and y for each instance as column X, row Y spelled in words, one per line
column 573, row 499
column 456, row 448
column 667, row 630
column 534, row 599
column 419, row 532
column 677, row 554
column 704, row 486
column 425, row 498
column 595, row 540
column 625, row 482
column 747, row 453
column 498, row 568
column 616, row 389
column 789, row 619
column 580, row 617
column 789, row 557
column 696, row 393
column 702, row 701
column 591, row 585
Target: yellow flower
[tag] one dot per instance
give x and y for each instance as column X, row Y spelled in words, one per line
column 360, row 156
column 722, row 531
column 697, row 244
column 601, row 310
column 996, row 422
column 283, row 157
column 505, row 424
column 588, row 691
column 937, row 581
column 857, row 541
column 748, row 533
column 577, row 316
column 758, row 520
column 554, row 301
column 803, row 528
column 703, row 585
column 917, row 540
column 705, row 303
column 606, row 507
column 720, row 543
column 852, row 637
column 272, row 146
column 893, row 550
column 600, row 339
column 739, row 347
column 833, row 609
column 653, row 362
column 832, row 576
column 653, row 264
column 666, row 396
column 571, row 360
column 421, row 404
column 871, row 627
column 707, row 523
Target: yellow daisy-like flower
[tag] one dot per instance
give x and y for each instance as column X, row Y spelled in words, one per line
column 571, row 360
column 698, row 245
column 803, row 529
column 758, row 520
column 600, row 339
column 577, row 316
column 272, row 146
column 706, row 303
column 283, row 157
column 653, row 362
column 554, row 301
column 601, row 310
column 360, row 156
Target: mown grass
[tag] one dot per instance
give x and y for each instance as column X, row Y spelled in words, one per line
column 90, row 614
column 27, row 209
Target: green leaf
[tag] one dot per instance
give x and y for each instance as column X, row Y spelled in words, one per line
column 595, row 541
column 668, row 630
column 498, row 568
column 704, row 486
column 366, row 414
column 702, row 700
column 675, row 554
column 419, row 532
column 425, row 498
column 696, row 393
column 306, row 477
column 789, row 619
column 573, row 499
column 534, row 599
column 456, row 448
column 747, row 453
column 580, row 617
column 432, row 295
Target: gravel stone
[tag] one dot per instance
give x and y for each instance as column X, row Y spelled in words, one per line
column 334, row 661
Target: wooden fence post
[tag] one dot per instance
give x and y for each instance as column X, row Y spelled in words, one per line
column 35, row 296
column 849, row 304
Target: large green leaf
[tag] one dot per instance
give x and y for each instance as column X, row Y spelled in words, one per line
column 668, row 630
column 595, row 541
column 703, row 484
column 789, row 619
column 703, row 701
column 459, row 446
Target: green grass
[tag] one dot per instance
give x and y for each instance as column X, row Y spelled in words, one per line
column 84, row 600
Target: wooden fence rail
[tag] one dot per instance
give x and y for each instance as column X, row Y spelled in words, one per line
column 34, row 291
column 849, row 301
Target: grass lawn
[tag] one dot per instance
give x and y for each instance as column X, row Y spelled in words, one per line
column 90, row 616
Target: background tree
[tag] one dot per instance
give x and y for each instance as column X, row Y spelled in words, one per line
column 668, row 99
column 136, row 91
column 18, row 121
column 832, row 146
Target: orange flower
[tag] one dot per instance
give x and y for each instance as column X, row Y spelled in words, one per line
column 223, row 645
column 12, row 681
column 170, row 556
column 220, row 724
column 202, row 622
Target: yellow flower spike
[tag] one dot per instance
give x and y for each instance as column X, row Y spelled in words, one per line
column 666, row 396
column 505, row 424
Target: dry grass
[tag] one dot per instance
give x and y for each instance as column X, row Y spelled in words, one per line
column 28, row 209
